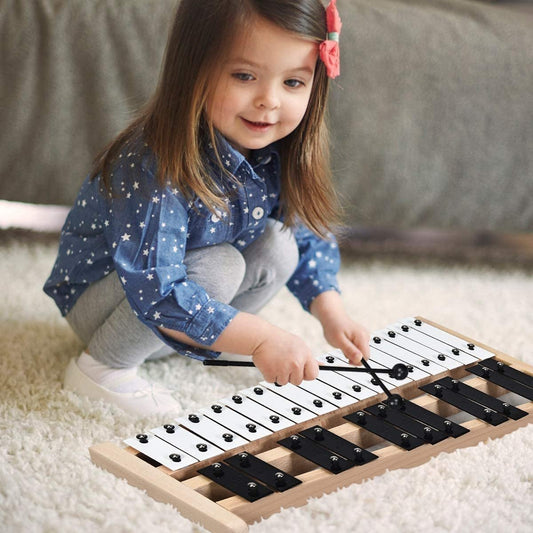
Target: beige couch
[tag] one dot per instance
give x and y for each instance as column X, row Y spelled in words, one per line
column 432, row 116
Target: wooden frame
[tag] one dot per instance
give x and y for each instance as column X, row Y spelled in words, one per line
column 201, row 500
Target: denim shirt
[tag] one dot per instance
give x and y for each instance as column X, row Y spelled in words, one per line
column 144, row 230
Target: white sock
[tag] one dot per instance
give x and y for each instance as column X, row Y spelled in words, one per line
column 113, row 379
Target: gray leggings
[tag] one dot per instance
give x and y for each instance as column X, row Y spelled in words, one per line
column 105, row 322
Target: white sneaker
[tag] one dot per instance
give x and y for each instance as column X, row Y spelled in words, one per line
column 151, row 400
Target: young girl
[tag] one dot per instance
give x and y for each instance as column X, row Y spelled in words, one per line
column 216, row 196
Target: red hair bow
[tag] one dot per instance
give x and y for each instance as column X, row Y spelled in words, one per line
column 329, row 49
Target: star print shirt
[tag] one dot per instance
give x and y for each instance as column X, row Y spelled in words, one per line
column 144, row 230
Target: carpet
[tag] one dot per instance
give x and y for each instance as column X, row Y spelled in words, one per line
column 48, row 483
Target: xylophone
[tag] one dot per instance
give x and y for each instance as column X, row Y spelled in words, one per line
column 267, row 447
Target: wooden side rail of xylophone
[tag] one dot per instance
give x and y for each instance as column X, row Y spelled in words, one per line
column 217, row 509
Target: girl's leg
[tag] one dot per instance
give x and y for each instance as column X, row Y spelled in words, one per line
column 114, row 336
column 118, row 342
column 105, row 322
column 219, row 270
column 107, row 370
column 270, row 262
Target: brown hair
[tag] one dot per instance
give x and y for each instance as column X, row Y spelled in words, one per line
column 173, row 123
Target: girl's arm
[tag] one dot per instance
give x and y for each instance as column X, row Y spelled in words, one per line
column 279, row 355
column 339, row 329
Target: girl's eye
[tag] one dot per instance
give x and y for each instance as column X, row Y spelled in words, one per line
column 293, row 84
column 242, row 76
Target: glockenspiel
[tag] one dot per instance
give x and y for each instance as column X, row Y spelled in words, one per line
column 266, row 447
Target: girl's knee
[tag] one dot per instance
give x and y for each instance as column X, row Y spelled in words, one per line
column 284, row 254
column 219, row 269
column 232, row 268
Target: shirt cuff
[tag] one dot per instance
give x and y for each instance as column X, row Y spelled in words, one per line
column 186, row 349
column 306, row 292
column 210, row 321
column 205, row 328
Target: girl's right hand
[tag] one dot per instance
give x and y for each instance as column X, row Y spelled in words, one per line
column 285, row 358
column 280, row 356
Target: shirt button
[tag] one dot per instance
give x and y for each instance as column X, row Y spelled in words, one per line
column 258, row 213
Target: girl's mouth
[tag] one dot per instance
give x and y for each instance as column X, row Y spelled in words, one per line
column 257, row 126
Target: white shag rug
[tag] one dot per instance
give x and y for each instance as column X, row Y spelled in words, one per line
column 48, row 483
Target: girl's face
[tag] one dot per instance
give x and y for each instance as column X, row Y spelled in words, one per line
column 264, row 87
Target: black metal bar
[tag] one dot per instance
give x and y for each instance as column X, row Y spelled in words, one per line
column 462, row 402
column 268, row 474
column 508, row 371
column 480, row 397
column 432, row 419
column 397, row 418
column 377, row 425
column 336, row 444
column 235, row 481
column 317, row 454
column 502, row 380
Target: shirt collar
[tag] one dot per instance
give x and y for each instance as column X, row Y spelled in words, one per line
column 233, row 159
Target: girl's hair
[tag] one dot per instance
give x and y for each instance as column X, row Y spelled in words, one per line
column 174, row 124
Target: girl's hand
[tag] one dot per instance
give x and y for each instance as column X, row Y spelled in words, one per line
column 280, row 356
column 349, row 336
column 339, row 329
column 285, row 358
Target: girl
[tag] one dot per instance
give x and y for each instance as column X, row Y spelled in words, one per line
column 216, row 196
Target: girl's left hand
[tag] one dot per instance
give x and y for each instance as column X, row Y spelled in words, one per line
column 353, row 339
column 339, row 329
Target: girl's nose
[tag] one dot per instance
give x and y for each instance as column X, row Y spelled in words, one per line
column 267, row 98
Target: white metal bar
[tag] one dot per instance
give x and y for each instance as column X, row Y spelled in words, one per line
column 189, row 442
column 235, row 422
column 301, row 397
column 160, row 451
column 416, row 352
column 263, row 415
column 287, row 408
column 477, row 352
column 211, row 431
